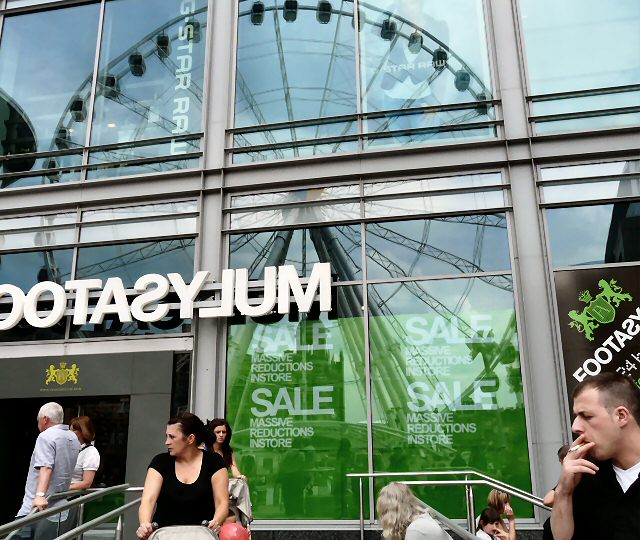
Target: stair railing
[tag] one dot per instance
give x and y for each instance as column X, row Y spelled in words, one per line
column 471, row 478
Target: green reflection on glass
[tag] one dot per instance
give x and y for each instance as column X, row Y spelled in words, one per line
column 447, row 388
column 296, row 399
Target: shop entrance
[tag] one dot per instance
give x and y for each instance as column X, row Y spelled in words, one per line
column 110, row 415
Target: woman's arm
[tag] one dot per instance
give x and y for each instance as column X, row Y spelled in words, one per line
column 511, row 517
column 85, row 483
column 220, row 487
column 234, row 468
column 150, row 493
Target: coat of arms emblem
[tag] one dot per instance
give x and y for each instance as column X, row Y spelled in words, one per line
column 63, row 374
column 599, row 310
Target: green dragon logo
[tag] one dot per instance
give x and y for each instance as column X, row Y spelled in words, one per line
column 599, row 310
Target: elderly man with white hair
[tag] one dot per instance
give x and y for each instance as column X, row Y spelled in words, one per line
column 53, row 459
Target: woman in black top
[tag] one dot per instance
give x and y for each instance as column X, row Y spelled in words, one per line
column 186, row 485
column 221, row 445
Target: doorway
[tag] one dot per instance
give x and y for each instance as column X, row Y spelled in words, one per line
column 110, row 416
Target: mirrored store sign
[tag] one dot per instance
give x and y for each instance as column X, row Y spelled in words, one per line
column 599, row 312
column 151, row 289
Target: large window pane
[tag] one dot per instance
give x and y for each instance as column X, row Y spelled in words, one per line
column 295, row 64
column 45, row 82
column 129, row 262
column 296, row 398
column 447, row 387
column 581, row 44
column 274, row 82
column 448, row 245
column 151, row 73
column 607, row 233
column 25, row 270
column 339, row 246
column 421, row 54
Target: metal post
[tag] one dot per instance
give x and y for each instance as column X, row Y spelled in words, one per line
column 472, row 510
column 80, row 518
column 119, row 528
column 361, row 512
column 467, row 496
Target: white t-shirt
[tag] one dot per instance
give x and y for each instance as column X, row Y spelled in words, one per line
column 425, row 528
column 628, row 477
column 88, row 460
column 481, row 534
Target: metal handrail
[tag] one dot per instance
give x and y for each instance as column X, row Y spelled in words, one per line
column 101, row 519
column 37, row 516
column 468, row 483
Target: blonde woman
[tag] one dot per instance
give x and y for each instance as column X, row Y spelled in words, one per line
column 499, row 500
column 404, row 517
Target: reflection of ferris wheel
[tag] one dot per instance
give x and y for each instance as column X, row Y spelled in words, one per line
column 401, row 34
column 153, row 49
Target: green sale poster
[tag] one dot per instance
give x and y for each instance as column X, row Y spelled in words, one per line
column 446, row 393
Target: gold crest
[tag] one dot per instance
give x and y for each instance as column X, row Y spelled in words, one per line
column 63, row 374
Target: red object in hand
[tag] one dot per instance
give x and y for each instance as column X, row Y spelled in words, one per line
column 233, row 531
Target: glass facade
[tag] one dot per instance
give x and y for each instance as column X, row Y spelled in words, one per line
column 295, row 396
column 468, row 169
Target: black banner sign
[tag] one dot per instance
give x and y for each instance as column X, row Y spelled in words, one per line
column 599, row 312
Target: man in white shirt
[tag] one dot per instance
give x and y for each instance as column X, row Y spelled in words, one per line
column 52, row 462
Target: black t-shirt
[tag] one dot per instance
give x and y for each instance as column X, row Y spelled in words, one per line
column 185, row 504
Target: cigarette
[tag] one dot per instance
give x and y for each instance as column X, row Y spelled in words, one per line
column 576, row 447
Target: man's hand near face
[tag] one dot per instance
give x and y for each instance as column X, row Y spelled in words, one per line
column 573, row 467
